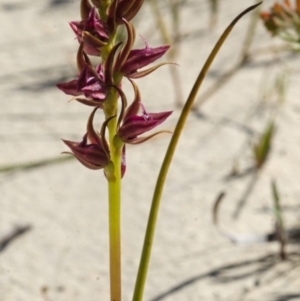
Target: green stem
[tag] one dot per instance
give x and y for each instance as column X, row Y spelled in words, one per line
column 148, row 241
column 114, row 199
column 244, row 55
column 114, row 189
column 110, row 109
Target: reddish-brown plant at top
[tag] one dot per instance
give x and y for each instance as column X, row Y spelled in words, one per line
column 283, row 20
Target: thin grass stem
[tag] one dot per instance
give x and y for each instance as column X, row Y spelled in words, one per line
column 149, row 236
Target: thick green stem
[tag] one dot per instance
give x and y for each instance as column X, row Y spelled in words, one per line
column 148, row 241
column 114, row 199
column 113, row 174
column 114, row 189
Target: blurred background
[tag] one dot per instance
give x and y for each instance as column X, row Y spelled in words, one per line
column 242, row 138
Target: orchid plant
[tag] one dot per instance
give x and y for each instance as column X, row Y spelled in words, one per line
column 100, row 87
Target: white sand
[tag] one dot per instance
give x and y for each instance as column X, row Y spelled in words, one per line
column 66, row 204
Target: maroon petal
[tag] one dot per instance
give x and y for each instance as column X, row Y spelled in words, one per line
column 144, row 139
column 135, row 106
column 89, row 102
column 95, row 91
column 77, row 27
column 101, row 29
column 70, row 88
column 139, row 58
column 123, row 54
column 92, row 156
column 137, row 125
column 142, row 73
column 91, row 44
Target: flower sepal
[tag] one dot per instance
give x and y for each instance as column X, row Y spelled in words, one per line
column 89, row 88
column 134, row 125
column 92, row 31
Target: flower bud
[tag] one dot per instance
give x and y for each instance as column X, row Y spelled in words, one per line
column 127, row 9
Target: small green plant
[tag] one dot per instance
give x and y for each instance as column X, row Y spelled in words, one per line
column 262, row 148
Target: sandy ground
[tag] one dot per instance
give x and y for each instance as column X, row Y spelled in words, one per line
column 66, row 251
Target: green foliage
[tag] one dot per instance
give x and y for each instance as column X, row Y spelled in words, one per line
column 262, row 148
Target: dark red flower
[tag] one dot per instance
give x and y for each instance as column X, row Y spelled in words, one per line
column 92, row 151
column 134, row 125
column 90, row 83
column 139, row 58
column 129, row 60
column 90, row 155
column 92, row 32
